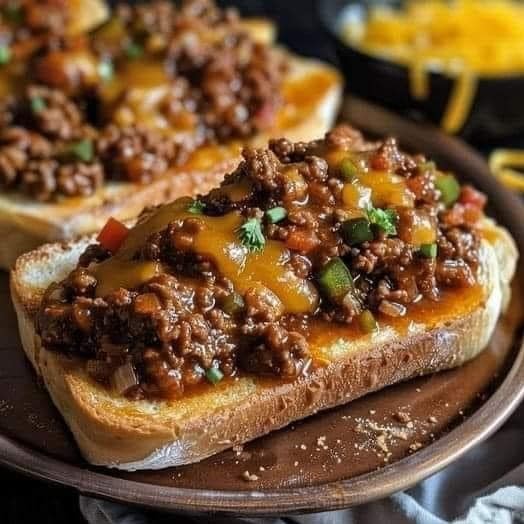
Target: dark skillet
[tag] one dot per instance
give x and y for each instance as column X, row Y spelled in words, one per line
column 498, row 109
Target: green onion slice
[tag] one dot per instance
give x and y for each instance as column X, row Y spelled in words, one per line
column 214, row 375
column 449, row 188
column 429, row 250
column 276, row 214
column 356, row 231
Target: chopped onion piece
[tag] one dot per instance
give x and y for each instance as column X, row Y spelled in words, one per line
column 392, row 309
column 124, row 378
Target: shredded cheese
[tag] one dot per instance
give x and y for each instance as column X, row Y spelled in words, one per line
column 463, row 39
column 460, row 101
column 508, row 166
column 419, row 79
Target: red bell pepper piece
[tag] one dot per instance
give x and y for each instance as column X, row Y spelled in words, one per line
column 113, row 235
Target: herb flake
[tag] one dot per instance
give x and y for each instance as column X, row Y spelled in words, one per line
column 251, row 235
column 196, row 207
column 385, row 219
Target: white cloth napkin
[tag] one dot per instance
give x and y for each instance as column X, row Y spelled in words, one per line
column 486, row 486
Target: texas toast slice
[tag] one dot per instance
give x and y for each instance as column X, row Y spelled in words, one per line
column 26, row 223
column 316, row 273
column 128, row 434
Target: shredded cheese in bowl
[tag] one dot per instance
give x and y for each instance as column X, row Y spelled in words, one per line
column 464, row 39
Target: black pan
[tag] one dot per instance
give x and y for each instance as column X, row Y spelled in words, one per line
column 498, row 108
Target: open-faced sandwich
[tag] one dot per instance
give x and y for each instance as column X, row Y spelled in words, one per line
column 316, row 273
column 105, row 113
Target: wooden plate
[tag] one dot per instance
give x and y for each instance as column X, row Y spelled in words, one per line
column 366, row 450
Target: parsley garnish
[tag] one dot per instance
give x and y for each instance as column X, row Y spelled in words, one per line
column 196, row 207
column 385, row 219
column 250, row 233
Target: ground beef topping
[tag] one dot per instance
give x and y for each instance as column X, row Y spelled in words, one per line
column 144, row 89
column 47, row 150
column 301, row 234
column 135, row 153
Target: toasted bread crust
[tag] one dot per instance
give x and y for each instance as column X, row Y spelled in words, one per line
column 28, row 223
column 130, row 435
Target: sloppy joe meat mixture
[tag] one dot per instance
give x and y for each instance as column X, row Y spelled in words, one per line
column 125, row 101
column 340, row 231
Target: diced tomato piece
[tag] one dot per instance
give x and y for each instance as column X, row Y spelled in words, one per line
column 461, row 214
column 470, row 196
column 302, row 241
column 113, row 235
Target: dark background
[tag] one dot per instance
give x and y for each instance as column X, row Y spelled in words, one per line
column 25, row 501
column 299, row 28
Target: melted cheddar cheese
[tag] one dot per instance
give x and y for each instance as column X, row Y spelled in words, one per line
column 217, row 240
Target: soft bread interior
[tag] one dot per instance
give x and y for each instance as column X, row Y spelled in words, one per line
column 305, row 116
column 113, row 431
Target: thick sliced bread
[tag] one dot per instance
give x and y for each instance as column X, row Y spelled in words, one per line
column 312, row 93
column 113, row 431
